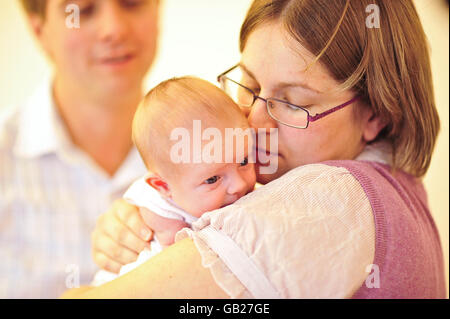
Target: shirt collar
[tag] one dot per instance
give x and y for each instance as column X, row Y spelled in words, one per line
column 380, row 151
column 40, row 129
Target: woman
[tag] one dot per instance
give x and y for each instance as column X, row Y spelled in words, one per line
column 345, row 214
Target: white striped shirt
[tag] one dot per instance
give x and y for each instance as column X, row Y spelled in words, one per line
column 51, row 194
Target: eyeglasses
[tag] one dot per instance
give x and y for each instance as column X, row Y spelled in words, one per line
column 281, row 111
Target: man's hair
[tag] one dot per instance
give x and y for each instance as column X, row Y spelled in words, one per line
column 176, row 103
column 387, row 66
column 35, row 7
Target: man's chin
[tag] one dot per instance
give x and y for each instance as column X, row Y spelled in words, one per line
column 116, row 85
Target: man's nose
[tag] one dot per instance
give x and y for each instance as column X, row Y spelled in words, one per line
column 112, row 23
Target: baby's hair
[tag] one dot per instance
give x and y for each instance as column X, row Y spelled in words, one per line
column 176, row 103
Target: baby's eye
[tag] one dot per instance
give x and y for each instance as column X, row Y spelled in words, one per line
column 244, row 162
column 212, row 180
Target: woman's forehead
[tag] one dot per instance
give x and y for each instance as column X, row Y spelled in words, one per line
column 272, row 57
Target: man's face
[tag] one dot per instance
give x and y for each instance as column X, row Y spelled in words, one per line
column 112, row 49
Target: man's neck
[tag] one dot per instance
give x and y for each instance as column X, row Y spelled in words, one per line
column 100, row 125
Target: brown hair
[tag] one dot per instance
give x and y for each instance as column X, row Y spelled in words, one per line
column 176, row 103
column 35, row 7
column 388, row 67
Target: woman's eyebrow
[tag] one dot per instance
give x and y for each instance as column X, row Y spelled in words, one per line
column 283, row 85
column 244, row 68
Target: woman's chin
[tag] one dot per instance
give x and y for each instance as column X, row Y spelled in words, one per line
column 264, row 178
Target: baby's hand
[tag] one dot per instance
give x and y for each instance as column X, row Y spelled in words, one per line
column 163, row 228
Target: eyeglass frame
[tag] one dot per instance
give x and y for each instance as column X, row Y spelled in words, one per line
column 310, row 118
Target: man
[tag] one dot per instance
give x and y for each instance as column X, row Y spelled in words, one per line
column 67, row 154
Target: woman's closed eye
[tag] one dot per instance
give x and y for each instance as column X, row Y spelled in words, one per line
column 295, row 106
column 250, row 84
column 255, row 90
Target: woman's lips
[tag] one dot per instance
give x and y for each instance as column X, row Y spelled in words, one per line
column 265, row 152
column 263, row 157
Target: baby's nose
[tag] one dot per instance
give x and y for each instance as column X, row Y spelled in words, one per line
column 238, row 186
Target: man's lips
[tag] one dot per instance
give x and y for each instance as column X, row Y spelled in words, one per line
column 117, row 59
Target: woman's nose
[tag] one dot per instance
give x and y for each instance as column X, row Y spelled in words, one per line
column 112, row 23
column 258, row 117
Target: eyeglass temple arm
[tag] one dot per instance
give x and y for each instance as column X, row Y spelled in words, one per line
column 223, row 73
column 334, row 109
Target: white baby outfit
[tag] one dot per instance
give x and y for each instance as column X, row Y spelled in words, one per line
column 141, row 194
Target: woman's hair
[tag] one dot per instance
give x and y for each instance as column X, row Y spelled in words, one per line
column 35, row 7
column 388, row 66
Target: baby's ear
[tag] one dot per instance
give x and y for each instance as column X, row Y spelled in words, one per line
column 156, row 181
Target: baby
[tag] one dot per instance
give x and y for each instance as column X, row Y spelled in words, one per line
column 182, row 192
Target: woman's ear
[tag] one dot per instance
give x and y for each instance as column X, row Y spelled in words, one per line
column 157, row 182
column 371, row 125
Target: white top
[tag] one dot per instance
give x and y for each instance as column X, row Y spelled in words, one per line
column 320, row 210
column 51, row 194
column 142, row 194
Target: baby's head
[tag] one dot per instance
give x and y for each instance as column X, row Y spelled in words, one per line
column 196, row 185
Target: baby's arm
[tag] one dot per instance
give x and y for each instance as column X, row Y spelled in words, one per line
column 164, row 228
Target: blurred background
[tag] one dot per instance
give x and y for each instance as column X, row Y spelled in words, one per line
column 200, row 37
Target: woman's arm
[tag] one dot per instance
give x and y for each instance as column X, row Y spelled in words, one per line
column 308, row 234
column 176, row 272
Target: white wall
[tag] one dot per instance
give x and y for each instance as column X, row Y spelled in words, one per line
column 434, row 15
column 200, row 37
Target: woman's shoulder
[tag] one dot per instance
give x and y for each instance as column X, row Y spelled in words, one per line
column 365, row 172
column 313, row 208
column 309, row 190
column 322, row 177
column 346, row 188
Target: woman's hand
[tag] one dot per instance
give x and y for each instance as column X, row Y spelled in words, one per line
column 119, row 236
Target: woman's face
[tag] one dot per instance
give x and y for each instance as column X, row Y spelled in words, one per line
column 274, row 65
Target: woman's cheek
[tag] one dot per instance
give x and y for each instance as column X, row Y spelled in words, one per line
column 303, row 146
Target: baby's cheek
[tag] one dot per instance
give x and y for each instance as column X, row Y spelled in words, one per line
column 211, row 202
column 214, row 202
column 251, row 177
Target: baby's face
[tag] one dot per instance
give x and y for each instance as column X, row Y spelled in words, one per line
column 205, row 187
